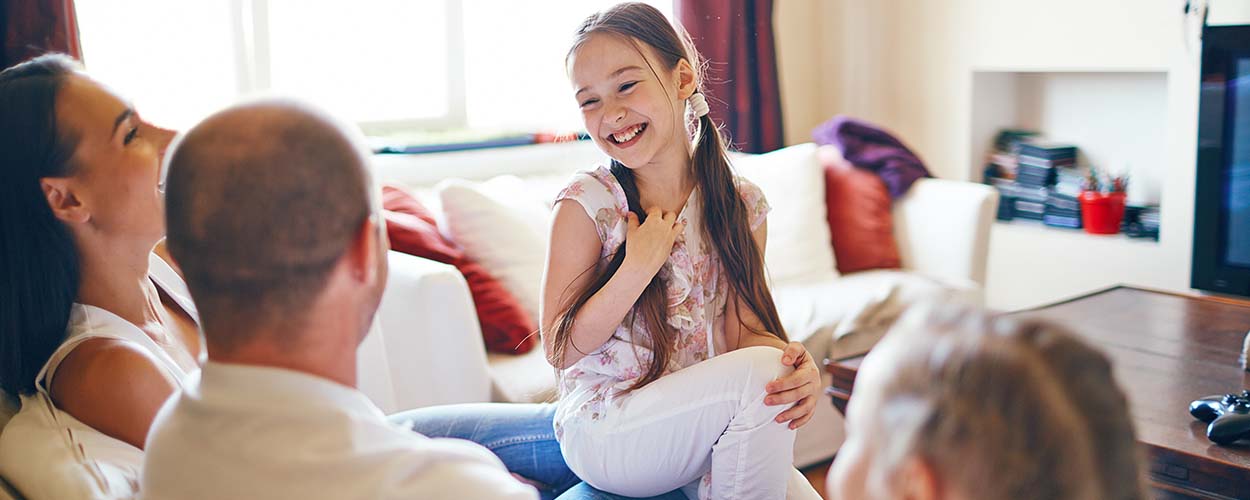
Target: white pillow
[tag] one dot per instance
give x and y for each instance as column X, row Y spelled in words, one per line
column 793, row 181
column 502, row 226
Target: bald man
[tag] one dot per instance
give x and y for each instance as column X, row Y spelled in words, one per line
column 273, row 218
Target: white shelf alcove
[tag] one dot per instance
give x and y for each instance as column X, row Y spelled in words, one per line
column 1118, row 120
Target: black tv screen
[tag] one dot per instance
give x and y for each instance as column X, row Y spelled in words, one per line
column 1237, row 171
column 1221, row 257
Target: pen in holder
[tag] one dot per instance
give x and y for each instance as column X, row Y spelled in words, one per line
column 1245, row 353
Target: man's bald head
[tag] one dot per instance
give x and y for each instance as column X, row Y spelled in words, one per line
column 262, row 200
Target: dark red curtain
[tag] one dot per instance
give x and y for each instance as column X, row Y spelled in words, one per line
column 736, row 37
column 33, row 27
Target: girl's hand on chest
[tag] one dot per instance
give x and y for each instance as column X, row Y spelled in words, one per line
column 648, row 244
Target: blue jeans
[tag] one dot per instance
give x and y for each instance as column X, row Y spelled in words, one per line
column 523, row 437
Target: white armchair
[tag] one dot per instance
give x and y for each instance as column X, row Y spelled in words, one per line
column 426, row 347
column 943, row 228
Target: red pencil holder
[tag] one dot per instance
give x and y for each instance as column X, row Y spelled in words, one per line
column 1101, row 213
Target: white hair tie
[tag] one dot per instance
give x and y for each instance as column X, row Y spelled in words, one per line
column 698, row 104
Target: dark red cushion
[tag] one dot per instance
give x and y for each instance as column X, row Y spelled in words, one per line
column 412, row 235
column 398, row 200
column 861, row 221
column 506, row 327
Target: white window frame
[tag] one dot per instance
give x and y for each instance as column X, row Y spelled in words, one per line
column 250, row 32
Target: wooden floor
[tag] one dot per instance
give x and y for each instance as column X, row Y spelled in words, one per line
column 816, row 475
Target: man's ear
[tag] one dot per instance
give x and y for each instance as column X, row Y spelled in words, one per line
column 687, row 79
column 369, row 245
column 918, row 480
column 65, row 204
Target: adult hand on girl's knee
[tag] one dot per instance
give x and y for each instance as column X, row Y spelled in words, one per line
column 794, row 354
column 799, row 387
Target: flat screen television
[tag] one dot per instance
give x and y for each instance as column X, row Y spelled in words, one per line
column 1221, row 251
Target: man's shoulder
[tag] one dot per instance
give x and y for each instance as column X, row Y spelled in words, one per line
column 410, row 465
column 393, row 462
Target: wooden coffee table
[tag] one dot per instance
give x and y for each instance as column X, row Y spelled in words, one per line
column 1168, row 349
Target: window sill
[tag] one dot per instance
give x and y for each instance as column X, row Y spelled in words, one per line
column 465, row 140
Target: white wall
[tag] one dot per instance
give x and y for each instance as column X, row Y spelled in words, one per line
column 802, row 81
column 811, row 38
column 909, row 66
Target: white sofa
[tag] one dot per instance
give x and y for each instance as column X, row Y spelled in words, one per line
column 942, row 228
column 426, row 348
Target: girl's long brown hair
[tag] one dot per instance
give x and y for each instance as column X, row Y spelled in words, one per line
column 724, row 213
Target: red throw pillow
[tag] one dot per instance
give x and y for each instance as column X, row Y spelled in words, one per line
column 397, row 200
column 506, row 327
column 861, row 221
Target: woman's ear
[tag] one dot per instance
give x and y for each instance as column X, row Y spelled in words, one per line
column 687, row 81
column 64, row 203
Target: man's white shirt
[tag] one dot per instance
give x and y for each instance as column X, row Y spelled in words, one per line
column 256, row 432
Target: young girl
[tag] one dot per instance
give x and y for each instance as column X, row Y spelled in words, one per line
column 955, row 405
column 656, row 308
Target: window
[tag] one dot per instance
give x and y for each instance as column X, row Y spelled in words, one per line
column 389, row 65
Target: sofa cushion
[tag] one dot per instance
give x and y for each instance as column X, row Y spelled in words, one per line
column 856, row 307
column 527, row 378
column 412, row 235
column 506, row 326
column 502, row 227
column 792, row 180
column 859, row 212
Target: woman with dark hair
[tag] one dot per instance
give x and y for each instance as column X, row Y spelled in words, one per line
column 95, row 330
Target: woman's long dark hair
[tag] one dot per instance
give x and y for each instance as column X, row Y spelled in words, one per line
column 40, row 263
column 725, row 215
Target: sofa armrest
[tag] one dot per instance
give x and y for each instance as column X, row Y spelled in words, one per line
column 430, row 350
column 943, row 228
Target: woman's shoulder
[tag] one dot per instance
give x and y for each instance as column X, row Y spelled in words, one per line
column 101, row 359
column 101, row 343
column 100, row 346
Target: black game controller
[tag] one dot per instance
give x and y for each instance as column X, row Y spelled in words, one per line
column 1229, row 416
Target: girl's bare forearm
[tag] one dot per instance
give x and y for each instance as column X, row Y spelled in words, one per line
column 603, row 313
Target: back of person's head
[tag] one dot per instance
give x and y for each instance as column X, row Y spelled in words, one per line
column 1086, row 377
column 266, row 202
column 986, row 408
column 38, row 259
